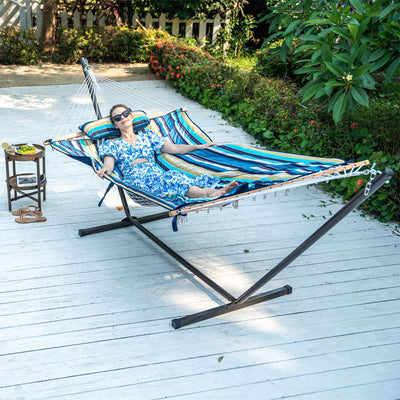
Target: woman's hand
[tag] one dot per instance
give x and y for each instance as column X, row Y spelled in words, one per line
column 107, row 167
column 103, row 171
column 205, row 145
column 184, row 148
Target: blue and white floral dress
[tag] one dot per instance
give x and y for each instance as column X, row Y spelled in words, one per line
column 146, row 175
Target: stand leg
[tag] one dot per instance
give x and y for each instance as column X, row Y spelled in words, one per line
column 214, row 312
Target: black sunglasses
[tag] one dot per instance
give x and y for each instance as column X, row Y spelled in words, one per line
column 124, row 114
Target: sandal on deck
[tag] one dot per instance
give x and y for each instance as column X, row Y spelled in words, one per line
column 30, row 217
column 27, row 210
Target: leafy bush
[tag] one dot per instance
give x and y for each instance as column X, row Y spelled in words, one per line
column 269, row 110
column 339, row 46
column 19, row 46
column 270, row 64
column 248, row 98
column 72, row 44
column 129, row 45
column 103, row 44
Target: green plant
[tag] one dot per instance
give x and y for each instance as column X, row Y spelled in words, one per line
column 270, row 64
column 268, row 109
column 340, row 47
column 19, row 46
column 119, row 43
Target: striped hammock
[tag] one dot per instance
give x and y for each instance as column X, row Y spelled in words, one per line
column 257, row 170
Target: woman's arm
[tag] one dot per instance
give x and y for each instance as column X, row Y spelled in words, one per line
column 108, row 166
column 184, row 148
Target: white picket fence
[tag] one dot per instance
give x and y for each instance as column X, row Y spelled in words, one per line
column 18, row 13
column 28, row 13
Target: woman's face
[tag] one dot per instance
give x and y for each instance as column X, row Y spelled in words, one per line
column 121, row 117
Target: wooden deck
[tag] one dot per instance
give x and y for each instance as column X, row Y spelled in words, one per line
column 89, row 318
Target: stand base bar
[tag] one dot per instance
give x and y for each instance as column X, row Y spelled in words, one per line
column 121, row 224
column 226, row 308
column 103, row 228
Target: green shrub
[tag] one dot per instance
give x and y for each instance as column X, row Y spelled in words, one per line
column 19, row 46
column 270, row 64
column 72, row 44
column 269, row 110
column 256, row 102
column 131, row 45
column 121, row 44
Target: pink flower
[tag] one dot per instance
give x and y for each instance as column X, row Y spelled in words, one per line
column 313, row 122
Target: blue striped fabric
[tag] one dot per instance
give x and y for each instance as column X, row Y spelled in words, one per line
column 253, row 167
column 233, row 162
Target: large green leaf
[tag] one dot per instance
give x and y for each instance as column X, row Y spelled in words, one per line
column 283, row 51
column 342, row 32
column 316, row 55
column 334, row 82
column 358, row 54
column 361, row 70
column 343, row 57
column 367, row 81
column 339, row 107
column 375, row 55
column 392, row 70
column 358, row 6
column 380, row 62
column 354, row 31
column 319, row 21
column 388, row 10
column 292, row 26
column 289, row 40
column 312, row 90
column 359, row 95
column 363, row 26
column 333, row 99
column 306, row 70
column 334, row 69
column 326, row 52
column 304, row 47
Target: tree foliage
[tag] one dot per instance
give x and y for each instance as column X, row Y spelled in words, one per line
column 339, row 47
column 187, row 9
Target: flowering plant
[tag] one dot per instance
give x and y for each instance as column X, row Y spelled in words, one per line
column 339, row 47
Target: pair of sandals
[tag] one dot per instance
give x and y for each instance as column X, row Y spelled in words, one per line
column 28, row 215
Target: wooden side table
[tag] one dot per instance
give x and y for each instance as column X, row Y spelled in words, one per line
column 35, row 190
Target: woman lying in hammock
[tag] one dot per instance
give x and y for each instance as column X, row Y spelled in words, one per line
column 134, row 156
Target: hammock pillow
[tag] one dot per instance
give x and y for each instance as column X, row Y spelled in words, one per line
column 104, row 128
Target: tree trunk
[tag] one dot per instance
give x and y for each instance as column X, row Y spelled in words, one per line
column 48, row 34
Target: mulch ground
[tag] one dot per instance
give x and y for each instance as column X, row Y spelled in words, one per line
column 57, row 74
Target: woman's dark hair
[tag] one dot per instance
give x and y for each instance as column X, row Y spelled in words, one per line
column 116, row 106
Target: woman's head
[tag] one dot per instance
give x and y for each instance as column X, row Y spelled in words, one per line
column 118, row 111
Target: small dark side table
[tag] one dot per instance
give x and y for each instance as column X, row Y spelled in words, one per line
column 34, row 191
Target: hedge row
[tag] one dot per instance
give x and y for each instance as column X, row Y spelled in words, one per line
column 117, row 44
column 269, row 109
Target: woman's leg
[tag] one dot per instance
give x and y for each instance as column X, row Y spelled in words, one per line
column 196, row 192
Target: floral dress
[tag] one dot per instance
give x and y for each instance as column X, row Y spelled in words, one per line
column 146, row 175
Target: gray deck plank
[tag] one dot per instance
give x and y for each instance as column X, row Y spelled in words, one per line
column 89, row 318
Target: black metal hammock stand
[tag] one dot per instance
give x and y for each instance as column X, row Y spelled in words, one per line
column 258, row 170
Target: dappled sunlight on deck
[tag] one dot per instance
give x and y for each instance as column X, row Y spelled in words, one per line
column 90, row 317
column 26, row 102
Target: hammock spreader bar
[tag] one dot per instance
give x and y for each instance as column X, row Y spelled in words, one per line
column 250, row 296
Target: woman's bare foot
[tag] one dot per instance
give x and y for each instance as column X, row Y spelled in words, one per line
column 198, row 192
column 230, row 186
